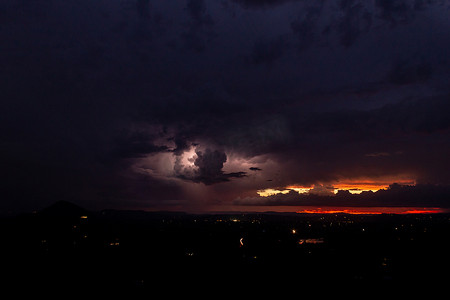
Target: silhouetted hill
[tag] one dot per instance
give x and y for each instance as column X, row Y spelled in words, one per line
column 63, row 209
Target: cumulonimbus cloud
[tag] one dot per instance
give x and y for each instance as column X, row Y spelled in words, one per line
column 205, row 167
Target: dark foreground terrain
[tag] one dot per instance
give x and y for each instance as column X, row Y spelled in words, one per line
column 66, row 246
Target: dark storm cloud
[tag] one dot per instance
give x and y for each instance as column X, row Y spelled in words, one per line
column 124, row 188
column 255, row 169
column 194, row 111
column 267, row 51
column 138, row 144
column 198, row 12
column 143, row 8
column 352, row 19
column 305, row 26
column 181, row 145
column 402, row 11
column 409, row 116
column 261, row 3
column 209, row 165
column 356, row 20
column 101, row 101
column 396, row 11
column 349, row 21
column 414, row 128
column 407, row 72
column 199, row 31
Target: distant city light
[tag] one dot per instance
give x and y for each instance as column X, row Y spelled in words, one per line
column 311, row 241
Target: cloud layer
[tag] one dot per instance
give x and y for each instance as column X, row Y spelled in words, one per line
column 395, row 196
column 148, row 103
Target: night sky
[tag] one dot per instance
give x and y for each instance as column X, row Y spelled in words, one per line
column 206, row 105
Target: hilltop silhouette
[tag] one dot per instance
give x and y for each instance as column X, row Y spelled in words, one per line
column 63, row 209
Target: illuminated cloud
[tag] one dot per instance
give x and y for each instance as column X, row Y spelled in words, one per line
column 203, row 166
column 270, row 192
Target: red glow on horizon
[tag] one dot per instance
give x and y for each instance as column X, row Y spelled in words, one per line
column 373, row 210
column 424, row 211
column 342, row 211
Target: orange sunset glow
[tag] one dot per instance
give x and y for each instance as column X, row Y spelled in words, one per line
column 357, row 187
column 354, row 187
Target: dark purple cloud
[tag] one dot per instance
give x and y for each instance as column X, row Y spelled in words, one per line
column 152, row 102
column 261, row 3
